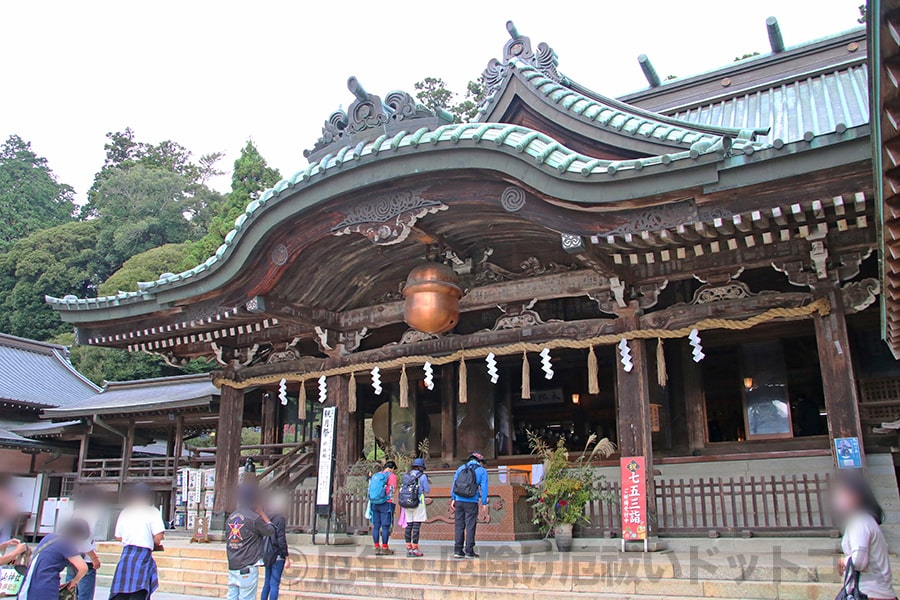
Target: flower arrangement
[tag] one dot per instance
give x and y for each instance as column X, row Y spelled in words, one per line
column 567, row 487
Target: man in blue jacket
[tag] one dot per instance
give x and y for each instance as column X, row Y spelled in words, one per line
column 470, row 485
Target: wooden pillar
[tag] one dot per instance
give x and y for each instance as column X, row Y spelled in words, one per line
column 177, row 447
column 228, row 451
column 838, row 377
column 345, row 434
column 178, row 442
column 127, row 449
column 267, row 421
column 694, row 398
column 448, row 413
column 633, row 399
column 83, row 448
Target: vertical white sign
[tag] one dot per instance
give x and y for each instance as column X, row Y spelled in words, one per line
column 326, row 453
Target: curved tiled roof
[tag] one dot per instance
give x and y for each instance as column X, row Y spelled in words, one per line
column 39, row 374
column 539, row 149
column 608, row 113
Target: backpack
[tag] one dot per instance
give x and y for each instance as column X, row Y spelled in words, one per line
column 409, row 489
column 378, row 488
column 466, row 485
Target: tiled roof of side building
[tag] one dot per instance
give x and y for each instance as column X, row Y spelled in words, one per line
column 146, row 395
column 808, row 106
column 39, row 374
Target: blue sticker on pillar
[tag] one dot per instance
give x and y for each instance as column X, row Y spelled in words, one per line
column 847, row 452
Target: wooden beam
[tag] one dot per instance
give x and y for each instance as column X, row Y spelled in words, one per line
column 836, row 364
column 228, row 452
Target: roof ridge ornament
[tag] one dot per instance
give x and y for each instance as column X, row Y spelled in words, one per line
column 518, row 48
column 369, row 117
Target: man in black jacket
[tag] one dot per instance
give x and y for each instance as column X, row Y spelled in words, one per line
column 245, row 530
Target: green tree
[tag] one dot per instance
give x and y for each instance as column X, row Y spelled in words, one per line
column 251, row 177
column 433, row 93
column 146, row 266
column 57, row 261
column 143, row 207
column 30, row 196
column 123, row 152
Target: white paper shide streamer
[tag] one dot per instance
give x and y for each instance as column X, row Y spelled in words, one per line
column 323, row 389
column 697, row 351
column 282, row 392
column 491, row 361
column 545, row 363
column 376, row 381
column 625, row 356
column 429, row 375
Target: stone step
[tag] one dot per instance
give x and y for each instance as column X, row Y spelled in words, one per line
column 398, row 568
column 624, row 590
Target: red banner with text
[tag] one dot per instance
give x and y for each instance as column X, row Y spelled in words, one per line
column 634, row 498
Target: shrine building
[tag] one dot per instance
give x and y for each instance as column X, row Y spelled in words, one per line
column 692, row 270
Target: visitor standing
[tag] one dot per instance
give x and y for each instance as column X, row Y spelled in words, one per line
column 413, row 488
column 863, row 542
column 470, row 488
column 88, row 505
column 382, row 486
column 276, row 555
column 53, row 554
column 141, row 530
column 246, row 528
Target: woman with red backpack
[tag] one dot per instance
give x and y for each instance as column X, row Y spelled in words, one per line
column 413, row 488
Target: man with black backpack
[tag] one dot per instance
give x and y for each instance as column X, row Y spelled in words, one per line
column 413, row 487
column 382, row 486
column 470, row 485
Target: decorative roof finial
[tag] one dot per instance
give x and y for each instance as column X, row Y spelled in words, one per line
column 511, row 28
column 367, row 117
column 776, row 42
column 649, row 71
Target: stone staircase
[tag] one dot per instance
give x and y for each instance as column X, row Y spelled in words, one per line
column 354, row 572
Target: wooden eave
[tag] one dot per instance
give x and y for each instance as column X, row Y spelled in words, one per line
column 884, row 56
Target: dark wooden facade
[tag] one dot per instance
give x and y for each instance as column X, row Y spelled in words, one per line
column 569, row 217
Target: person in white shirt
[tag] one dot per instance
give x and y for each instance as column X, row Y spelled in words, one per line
column 863, row 542
column 141, row 529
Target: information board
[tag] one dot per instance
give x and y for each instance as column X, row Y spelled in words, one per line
column 326, row 462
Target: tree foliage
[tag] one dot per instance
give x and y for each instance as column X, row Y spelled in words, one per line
column 30, row 196
column 146, row 266
column 144, row 207
column 251, row 177
column 433, row 93
column 57, row 261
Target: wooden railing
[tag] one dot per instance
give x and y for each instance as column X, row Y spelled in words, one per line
column 733, row 505
column 302, row 514
column 138, row 468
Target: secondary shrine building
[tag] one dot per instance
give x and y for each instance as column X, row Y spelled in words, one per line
column 691, row 270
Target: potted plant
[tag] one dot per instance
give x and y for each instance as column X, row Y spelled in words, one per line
column 559, row 499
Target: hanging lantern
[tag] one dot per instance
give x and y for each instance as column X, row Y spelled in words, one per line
column 432, row 295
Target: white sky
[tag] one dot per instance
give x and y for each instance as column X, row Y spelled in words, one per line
column 211, row 74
